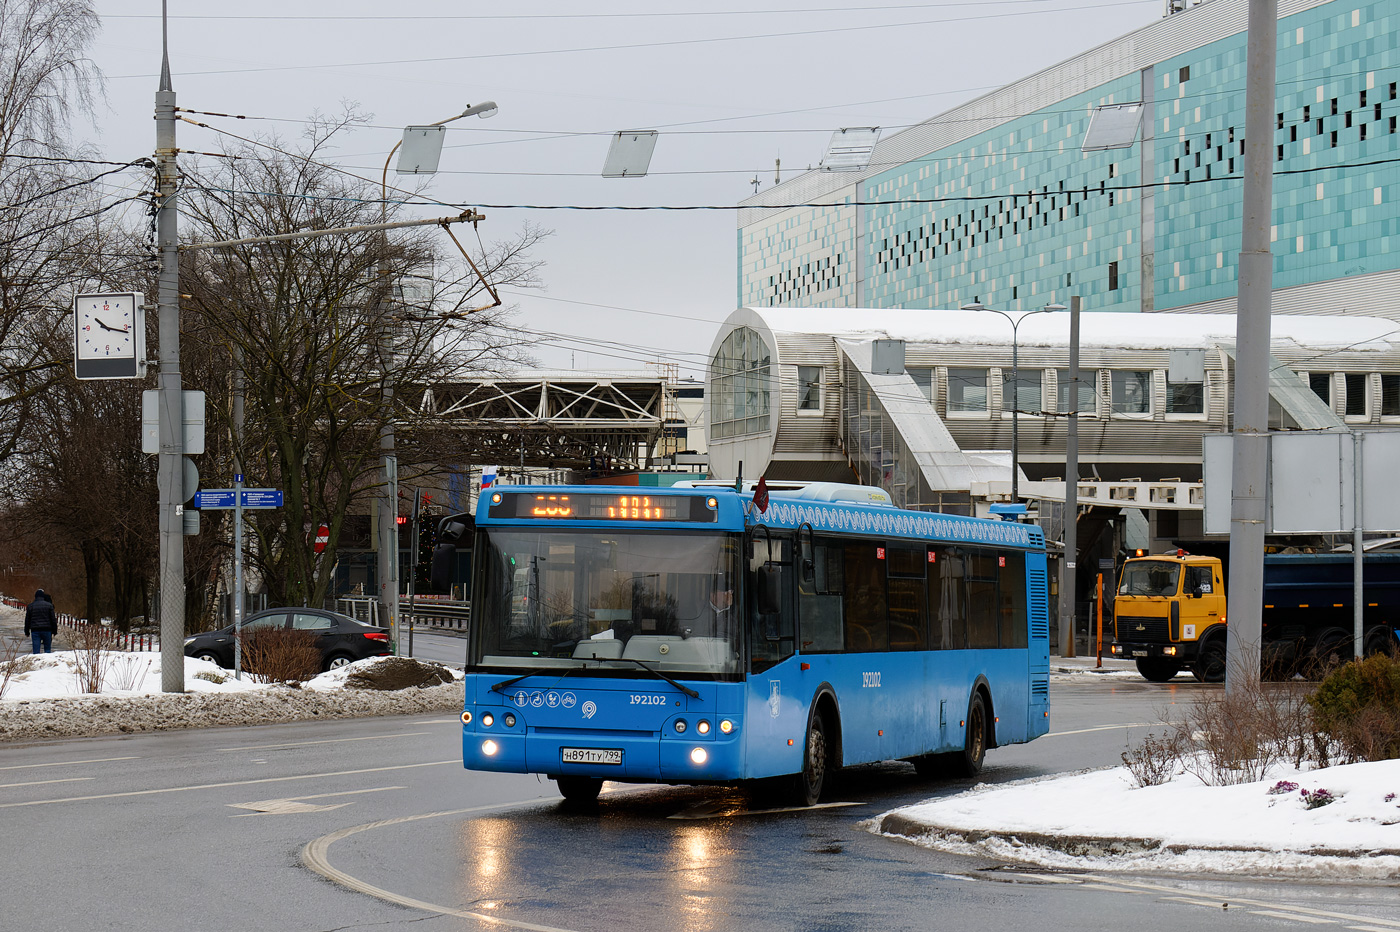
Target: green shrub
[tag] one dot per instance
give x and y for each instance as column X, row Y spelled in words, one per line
column 1358, row 707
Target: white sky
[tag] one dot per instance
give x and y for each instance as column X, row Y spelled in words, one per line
column 664, row 280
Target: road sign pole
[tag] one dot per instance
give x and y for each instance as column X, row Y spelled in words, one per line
column 238, row 576
column 413, row 565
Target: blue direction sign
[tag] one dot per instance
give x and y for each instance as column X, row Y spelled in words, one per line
column 214, row 498
column 262, row 498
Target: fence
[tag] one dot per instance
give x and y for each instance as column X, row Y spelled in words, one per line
column 120, row 640
column 431, row 613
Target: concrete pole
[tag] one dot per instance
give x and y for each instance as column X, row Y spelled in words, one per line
column 1358, row 552
column 1015, row 411
column 1070, row 570
column 170, row 462
column 1251, row 417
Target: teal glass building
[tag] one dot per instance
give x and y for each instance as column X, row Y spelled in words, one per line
column 1008, row 200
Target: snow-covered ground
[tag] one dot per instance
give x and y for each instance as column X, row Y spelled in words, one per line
column 1100, row 821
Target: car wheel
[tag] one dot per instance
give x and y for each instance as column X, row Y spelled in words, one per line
column 208, row 657
column 336, row 661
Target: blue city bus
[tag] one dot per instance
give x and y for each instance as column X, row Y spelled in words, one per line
column 690, row 636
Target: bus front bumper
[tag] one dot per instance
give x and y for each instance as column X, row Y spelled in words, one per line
column 630, row 757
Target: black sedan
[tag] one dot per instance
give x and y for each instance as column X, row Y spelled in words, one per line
column 340, row 638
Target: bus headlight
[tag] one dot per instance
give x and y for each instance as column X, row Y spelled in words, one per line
column 703, row 727
column 467, row 717
column 487, row 719
column 489, row 748
column 699, row 756
column 680, row 726
column 726, row 726
column 509, row 719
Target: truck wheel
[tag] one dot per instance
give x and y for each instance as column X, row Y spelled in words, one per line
column 1381, row 641
column 1210, row 664
column 1332, row 648
column 1157, row 670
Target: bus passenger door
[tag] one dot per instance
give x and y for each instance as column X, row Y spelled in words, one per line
column 776, row 711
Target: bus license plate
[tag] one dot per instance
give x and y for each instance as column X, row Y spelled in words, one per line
column 592, row 755
column 1139, row 653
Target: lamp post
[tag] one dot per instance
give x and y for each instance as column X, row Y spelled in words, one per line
column 388, row 558
column 1015, row 382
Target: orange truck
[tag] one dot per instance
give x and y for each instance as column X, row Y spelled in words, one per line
column 1169, row 612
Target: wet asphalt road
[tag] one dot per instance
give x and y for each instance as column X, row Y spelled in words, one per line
column 373, row 824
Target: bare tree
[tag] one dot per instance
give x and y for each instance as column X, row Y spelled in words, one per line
column 323, row 326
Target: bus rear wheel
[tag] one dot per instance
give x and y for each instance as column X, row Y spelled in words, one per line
column 1155, row 670
column 974, row 752
column 579, row 789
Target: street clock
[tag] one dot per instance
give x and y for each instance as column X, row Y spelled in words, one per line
column 109, row 336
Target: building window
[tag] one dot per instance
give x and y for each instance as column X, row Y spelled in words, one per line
column 740, row 379
column 809, row 388
column 1356, row 394
column 1132, row 391
column 1186, row 398
column 967, row 391
column 1183, row 74
column 1321, row 384
column 924, row 379
column 1390, row 396
column 1113, row 276
column 1087, row 378
column 1024, row 391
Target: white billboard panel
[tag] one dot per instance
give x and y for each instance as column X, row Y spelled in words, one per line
column 1310, row 483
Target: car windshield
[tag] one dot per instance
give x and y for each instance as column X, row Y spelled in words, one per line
column 1150, row 577
column 602, row 600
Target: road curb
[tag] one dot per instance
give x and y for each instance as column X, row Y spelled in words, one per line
column 893, row 823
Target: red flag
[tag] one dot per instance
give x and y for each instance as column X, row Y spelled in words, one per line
column 760, row 495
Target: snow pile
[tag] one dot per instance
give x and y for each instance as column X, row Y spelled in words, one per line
column 1100, row 821
column 43, row 698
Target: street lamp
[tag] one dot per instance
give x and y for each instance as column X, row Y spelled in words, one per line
column 388, row 503
column 1015, row 382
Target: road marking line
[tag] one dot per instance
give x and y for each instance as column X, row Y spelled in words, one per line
column 1085, row 731
column 1388, row 924
column 67, row 763
column 1369, row 929
column 294, row 804
column 1191, row 900
column 46, row 782
column 300, row 744
column 314, row 856
column 215, row 786
column 717, row 810
column 1274, row 914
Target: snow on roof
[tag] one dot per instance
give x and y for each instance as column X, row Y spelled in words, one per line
column 1096, row 329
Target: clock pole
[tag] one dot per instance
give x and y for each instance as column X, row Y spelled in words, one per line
column 170, row 464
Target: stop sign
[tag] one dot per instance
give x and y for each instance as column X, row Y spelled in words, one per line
column 323, row 536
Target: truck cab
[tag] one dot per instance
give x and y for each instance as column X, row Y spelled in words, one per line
column 1169, row 615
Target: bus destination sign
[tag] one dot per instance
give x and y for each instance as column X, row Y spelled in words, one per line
column 588, row 506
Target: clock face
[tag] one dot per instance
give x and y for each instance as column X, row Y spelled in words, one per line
column 106, row 327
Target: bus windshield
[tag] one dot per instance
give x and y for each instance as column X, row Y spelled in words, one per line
column 1150, row 577
column 565, row 599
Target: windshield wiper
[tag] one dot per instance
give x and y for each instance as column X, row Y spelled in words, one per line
column 516, row 679
column 654, row 672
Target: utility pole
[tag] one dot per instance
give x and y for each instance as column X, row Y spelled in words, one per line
column 1252, row 332
column 170, row 462
column 1068, row 604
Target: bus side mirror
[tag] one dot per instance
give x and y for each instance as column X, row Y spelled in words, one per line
column 770, row 600
column 809, row 566
column 444, row 562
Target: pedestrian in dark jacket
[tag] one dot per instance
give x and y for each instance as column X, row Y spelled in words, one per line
column 40, row 622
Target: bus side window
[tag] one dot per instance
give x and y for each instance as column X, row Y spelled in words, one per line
column 906, row 608
column 982, row 600
column 867, row 628
column 819, row 602
column 770, row 635
column 1012, row 591
column 947, row 599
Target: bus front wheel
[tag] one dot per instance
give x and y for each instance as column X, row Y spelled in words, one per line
column 579, row 789
column 807, row 785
